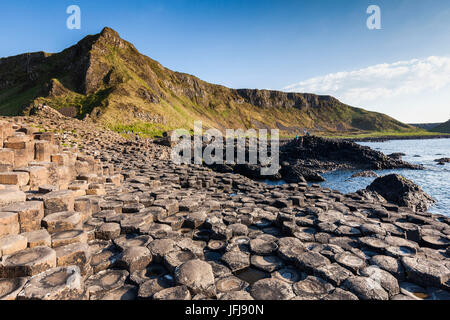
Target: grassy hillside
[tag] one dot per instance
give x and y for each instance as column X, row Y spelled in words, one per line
column 443, row 128
column 105, row 77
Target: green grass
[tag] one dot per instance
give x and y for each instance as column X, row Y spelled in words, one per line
column 381, row 134
column 147, row 130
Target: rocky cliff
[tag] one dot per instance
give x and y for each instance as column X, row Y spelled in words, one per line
column 105, row 77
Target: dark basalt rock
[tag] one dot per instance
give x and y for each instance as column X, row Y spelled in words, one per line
column 402, row 192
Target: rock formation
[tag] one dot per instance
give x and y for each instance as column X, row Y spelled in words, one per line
column 87, row 214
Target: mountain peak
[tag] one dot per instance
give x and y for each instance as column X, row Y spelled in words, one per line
column 107, row 31
column 106, row 77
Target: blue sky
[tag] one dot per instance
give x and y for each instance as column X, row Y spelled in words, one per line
column 320, row 46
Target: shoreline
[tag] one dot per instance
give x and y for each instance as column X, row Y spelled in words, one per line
column 388, row 138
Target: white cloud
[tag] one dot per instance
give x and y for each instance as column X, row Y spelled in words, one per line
column 383, row 84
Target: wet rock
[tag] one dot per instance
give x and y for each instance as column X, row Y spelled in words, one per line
column 365, row 174
column 288, row 274
column 62, row 283
column 402, row 192
column 271, row 289
column 198, row 276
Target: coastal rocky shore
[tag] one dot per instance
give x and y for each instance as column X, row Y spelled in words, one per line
column 87, row 214
column 305, row 158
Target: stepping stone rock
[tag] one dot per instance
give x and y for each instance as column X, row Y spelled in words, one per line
column 236, row 260
column 11, row 196
column 64, row 238
column 390, row 264
column 123, row 242
column 266, row 263
column 288, row 274
column 262, row 247
column 28, row 262
column 9, row 223
column 333, row 273
column 384, row 278
column 365, row 288
column 160, row 247
column 59, row 201
column 340, row 294
column 198, row 276
column 152, row 286
column 104, row 259
column 104, row 281
column 426, row 272
column 310, row 261
column 175, row 258
column 78, row 254
column 10, row 288
column 62, row 221
column 30, row 214
column 236, row 295
column 230, row 283
column 350, row 261
column 63, row 283
column 38, row 238
column 134, row 259
column 174, row 293
column 271, row 289
column 154, row 270
column 289, row 248
column 312, row 288
column 108, row 231
column 127, row 292
column 11, row 244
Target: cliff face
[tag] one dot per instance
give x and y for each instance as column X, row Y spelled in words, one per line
column 105, row 77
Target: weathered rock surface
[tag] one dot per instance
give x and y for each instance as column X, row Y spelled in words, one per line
column 402, row 192
column 138, row 226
